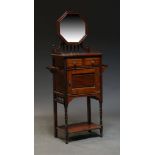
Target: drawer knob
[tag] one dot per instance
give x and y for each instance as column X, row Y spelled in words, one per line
column 74, row 63
column 92, row 62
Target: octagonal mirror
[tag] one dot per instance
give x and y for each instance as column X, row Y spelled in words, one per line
column 71, row 28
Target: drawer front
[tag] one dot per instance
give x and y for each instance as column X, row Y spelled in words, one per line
column 92, row 61
column 83, row 81
column 74, row 62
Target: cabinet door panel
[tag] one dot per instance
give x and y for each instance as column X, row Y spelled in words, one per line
column 83, row 81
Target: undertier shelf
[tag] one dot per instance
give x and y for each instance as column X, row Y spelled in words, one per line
column 79, row 127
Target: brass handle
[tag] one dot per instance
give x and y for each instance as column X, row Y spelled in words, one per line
column 74, row 63
column 93, row 62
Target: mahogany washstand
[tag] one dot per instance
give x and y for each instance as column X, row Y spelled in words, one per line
column 77, row 72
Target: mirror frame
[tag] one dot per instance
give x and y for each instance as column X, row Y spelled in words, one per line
column 58, row 28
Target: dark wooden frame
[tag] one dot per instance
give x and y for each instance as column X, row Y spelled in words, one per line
column 58, row 27
column 61, row 94
column 64, row 98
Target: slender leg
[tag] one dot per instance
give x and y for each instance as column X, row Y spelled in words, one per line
column 101, row 124
column 88, row 110
column 55, row 117
column 66, row 122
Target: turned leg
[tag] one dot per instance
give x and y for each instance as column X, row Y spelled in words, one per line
column 66, row 123
column 55, row 117
column 101, row 123
column 88, row 111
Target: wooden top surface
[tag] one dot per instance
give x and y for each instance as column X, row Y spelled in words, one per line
column 73, row 54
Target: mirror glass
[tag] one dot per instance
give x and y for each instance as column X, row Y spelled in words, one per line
column 72, row 28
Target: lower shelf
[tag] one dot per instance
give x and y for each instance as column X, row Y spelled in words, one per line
column 79, row 127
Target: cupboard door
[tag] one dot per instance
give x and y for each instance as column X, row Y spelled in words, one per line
column 83, row 81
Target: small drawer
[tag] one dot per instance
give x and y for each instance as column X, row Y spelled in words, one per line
column 74, row 62
column 92, row 61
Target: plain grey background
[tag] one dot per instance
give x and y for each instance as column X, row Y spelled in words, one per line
column 103, row 21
